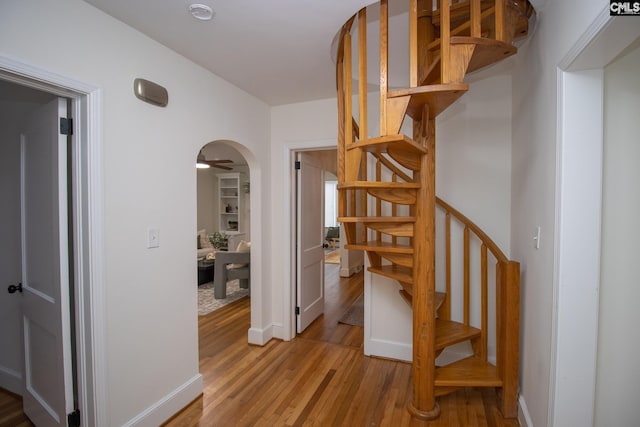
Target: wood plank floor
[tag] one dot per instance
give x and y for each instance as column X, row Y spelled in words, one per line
column 11, row 414
column 321, row 378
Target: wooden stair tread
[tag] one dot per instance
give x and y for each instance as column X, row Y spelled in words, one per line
column 402, row 193
column 378, row 219
column 449, row 332
column 469, row 372
column 404, row 260
column 375, row 246
column 382, row 144
column 402, row 274
column 486, row 52
column 438, row 97
column 378, row 184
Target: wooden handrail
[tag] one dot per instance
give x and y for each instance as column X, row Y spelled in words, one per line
column 491, row 245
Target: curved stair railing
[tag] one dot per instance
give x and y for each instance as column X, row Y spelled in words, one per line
column 387, row 200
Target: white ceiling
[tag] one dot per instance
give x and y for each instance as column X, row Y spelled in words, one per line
column 276, row 50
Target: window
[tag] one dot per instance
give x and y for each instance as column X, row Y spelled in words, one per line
column 330, row 203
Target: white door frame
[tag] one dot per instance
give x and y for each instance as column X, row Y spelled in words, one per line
column 576, row 278
column 88, row 252
column 289, row 303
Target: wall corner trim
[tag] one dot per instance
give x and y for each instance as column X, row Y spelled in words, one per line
column 169, row 405
column 261, row 336
column 523, row 413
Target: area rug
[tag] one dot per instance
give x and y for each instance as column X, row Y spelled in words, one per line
column 332, row 257
column 207, row 303
column 355, row 313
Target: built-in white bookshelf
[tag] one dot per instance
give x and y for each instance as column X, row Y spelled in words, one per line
column 229, row 203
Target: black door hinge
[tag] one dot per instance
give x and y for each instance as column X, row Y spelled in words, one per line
column 66, row 126
column 297, row 165
column 297, row 311
column 73, row 419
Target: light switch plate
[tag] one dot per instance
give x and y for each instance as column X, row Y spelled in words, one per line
column 153, row 238
column 536, row 238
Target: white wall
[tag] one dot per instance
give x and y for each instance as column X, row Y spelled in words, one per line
column 473, row 154
column 559, row 25
column 617, row 377
column 149, row 180
column 293, row 127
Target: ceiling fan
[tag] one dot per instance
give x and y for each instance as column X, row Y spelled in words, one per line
column 203, row 163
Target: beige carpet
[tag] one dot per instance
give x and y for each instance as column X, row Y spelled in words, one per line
column 355, row 313
column 207, row 303
column 332, row 257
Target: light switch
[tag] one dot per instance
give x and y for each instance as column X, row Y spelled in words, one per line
column 536, row 238
column 153, row 238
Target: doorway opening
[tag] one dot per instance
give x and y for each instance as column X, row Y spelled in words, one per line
column 317, row 251
column 224, row 225
column 84, row 234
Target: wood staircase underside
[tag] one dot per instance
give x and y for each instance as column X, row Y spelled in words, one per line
column 387, row 199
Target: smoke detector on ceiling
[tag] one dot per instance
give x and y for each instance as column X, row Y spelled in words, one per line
column 201, row 12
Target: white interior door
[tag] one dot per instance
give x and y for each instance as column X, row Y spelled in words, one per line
column 48, row 386
column 11, row 359
column 310, row 237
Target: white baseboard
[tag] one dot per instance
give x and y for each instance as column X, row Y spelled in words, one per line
column 261, row 336
column 350, row 271
column 389, row 349
column 169, row 405
column 11, row 380
column 523, row 413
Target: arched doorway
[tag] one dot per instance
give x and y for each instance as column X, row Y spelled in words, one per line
column 223, row 222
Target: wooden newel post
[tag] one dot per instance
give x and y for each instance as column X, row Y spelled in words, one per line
column 508, row 318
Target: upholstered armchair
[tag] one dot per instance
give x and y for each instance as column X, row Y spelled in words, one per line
column 231, row 266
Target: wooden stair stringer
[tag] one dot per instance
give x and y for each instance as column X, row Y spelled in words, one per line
column 433, row 74
column 396, row 111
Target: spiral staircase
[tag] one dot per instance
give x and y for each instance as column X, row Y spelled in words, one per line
column 387, row 199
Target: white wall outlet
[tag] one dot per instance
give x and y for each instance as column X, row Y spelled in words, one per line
column 153, row 238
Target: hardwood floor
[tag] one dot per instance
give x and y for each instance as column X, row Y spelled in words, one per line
column 321, row 378
column 11, row 414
